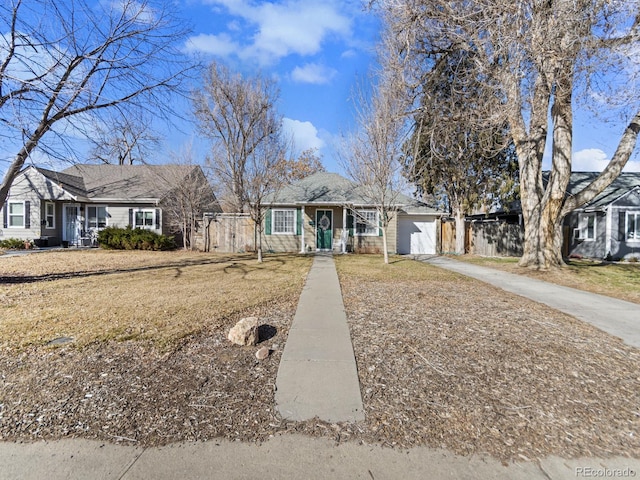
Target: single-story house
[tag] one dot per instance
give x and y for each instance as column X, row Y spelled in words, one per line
column 609, row 225
column 327, row 212
column 73, row 205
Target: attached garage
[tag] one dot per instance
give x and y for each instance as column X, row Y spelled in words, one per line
column 417, row 234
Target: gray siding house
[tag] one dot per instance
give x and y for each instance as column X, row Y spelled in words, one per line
column 609, row 225
column 73, row 205
column 327, row 212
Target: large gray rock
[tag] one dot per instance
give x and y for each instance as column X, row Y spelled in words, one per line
column 245, row 332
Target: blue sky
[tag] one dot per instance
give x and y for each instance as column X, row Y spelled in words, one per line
column 317, row 51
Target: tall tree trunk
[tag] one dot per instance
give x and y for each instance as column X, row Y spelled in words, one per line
column 259, row 246
column 385, row 250
column 544, row 236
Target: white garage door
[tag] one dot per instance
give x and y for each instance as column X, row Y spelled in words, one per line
column 417, row 235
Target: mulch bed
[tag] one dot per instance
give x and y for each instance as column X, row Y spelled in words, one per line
column 452, row 363
column 465, row 366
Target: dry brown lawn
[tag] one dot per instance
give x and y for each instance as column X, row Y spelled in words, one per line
column 443, row 360
column 160, row 296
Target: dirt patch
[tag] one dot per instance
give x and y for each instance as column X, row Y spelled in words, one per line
column 133, row 393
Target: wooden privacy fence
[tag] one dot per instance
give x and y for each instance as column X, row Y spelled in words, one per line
column 228, row 233
column 495, row 239
column 489, row 239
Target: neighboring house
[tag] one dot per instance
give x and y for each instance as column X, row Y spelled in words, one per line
column 609, row 225
column 327, row 212
column 73, row 205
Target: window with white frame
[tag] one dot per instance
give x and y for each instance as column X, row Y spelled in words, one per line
column 50, row 215
column 283, row 222
column 97, row 217
column 586, row 227
column 633, row 226
column 15, row 215
column 144, row 219
column 366, row 222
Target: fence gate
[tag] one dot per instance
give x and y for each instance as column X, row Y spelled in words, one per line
column 229, row 233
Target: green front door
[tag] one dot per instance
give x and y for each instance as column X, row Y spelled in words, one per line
column 324, row 229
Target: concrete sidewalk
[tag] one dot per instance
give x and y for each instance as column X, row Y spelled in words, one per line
column 317, row 374
column 614, row 316
column 283, row 457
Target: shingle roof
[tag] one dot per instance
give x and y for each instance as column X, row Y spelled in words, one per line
column 326, row 188
column 124, row 181
column 71, row 183
column 621, row 185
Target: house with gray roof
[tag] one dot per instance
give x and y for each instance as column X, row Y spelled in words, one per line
column 328, row 212
column 609, row 225
column 73, row 205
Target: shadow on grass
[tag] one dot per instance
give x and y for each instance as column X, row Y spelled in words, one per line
column 236, row 264
column 17, row 279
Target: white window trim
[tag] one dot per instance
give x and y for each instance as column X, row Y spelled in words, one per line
column 46, row 216
column 106, row 209
column 636, row 213
column 358, row 215
column 153, row 218
column 9, row 214
column 273, row 221
column 583, row 227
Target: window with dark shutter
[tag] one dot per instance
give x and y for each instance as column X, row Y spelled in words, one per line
column 267, row 223
column 622, row 221
column 27, row 214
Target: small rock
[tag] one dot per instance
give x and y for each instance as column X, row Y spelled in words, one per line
column 245, row 332
column 262, row 353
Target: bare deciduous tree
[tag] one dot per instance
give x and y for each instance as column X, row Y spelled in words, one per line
column 124, row 140
column 190, row 195
column 308, row 163
column 63, row 62
column 262, row 176
column 238, row 115
column 371, row 154
column 539, row 58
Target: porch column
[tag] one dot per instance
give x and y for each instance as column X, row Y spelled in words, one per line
column 345, row 234
column 608, row 231
column 302, row 231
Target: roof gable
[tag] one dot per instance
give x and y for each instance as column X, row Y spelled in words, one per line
column 622, row 185
column 69, row 183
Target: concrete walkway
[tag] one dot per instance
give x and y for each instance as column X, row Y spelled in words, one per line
column 317, row 376
column 616, row 317
column 283, row 457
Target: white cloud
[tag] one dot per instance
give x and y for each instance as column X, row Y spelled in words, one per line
column 221, row 45
column 348, row 54
column 313, row 73
column 304, row 134
column 595, row 160
column 285, row 28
